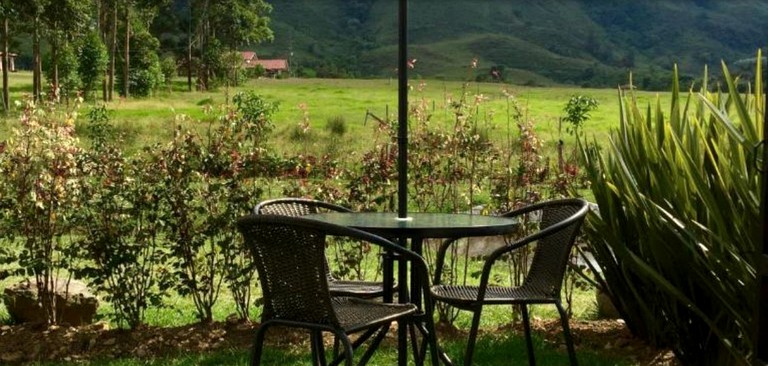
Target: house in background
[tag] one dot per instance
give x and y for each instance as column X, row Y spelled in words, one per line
column 272, row 67
column 11, row 62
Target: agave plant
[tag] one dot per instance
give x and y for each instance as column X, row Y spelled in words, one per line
column 678, row 223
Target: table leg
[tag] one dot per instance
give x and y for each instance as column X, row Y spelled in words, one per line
column 402, row 326
column 387, row 271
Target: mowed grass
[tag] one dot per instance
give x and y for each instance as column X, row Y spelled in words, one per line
column 146, row 121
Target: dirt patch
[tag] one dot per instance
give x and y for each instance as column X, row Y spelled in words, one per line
column 36, row 342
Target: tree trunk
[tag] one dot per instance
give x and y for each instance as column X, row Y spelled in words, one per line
column 36, row 64
column 112, row 53
column 189, row 47
column 55, row 64
column 102, row 27
column 5, row 64
column 127, row 66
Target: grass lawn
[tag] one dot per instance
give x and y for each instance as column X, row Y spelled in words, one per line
column 150, row 120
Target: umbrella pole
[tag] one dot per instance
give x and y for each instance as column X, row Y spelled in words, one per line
column 402, row 112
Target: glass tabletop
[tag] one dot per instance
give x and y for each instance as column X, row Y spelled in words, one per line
column 420, row 224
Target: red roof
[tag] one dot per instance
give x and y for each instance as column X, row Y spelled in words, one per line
column 248, row 55
column 270, row 65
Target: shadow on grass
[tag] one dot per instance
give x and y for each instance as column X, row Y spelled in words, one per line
column 490, row 350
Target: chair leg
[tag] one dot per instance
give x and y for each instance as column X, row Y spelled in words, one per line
column 432, row 343
column 472, row 337
column 567, row 334
column 258, row 343
column 347, row 348
column 528, row 339
column 318, row 350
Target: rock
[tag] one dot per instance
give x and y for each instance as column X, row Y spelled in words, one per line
column 12, row 357
column 75, row 304
column 605, row 307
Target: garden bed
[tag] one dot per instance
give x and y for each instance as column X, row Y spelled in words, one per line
column 35, row 342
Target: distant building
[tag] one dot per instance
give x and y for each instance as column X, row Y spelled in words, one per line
column 272, row 67
column 11, row 62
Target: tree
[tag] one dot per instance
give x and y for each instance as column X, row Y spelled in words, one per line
column 65, row 20
column 7, row 11
column 225, row 25
column 93, row 62
column 139, row 14
column 30, row 13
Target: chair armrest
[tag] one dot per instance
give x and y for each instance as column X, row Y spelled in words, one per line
column 441, row 251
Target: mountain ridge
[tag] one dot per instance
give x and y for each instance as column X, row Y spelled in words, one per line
column 580, row 42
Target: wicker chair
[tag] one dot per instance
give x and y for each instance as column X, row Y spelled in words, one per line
column 559, row 222
column 297, row 207
column 289, row 257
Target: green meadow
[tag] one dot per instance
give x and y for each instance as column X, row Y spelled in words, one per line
column 357, row 103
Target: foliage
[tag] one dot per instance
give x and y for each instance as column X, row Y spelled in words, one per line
column 41, row 190
column 577, row 112
column 92, row 62
column 145, row 74
column 206, row 191
column 168, row 67
column 67, row 66
column 337, row 125
column 678, row 223
column 255, row 116
column 122, row 241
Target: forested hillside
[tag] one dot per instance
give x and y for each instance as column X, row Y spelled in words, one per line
column 582, row 42
column 542, row 42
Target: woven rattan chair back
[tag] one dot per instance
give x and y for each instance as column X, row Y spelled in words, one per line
column 290, row 261
column 555, row 225
column 552, row 252
column 296, row 207
column 288, row 253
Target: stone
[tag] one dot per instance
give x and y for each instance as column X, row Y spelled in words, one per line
column 12, row 357
column 605, row 307
column 75, row 304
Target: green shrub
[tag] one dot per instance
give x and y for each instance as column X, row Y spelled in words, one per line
column 93, row 62
column 122, row 243
column 679, row 216
column 336, row 125
column 40, row 194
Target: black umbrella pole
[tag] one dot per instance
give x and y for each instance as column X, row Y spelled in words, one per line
column 402, row 113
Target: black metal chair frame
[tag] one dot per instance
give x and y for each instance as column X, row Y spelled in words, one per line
column 297, row 207
column 289, row 256
column 543, row 282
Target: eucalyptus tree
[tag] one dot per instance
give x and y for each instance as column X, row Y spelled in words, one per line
column 225, row 25
column 239, row 22
column 64, row 21
column 30, row 14
column 7, row 12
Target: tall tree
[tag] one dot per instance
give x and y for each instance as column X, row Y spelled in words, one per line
column 6, row 12
column 65, row 21
column 127, row 53
column 227, row 25
column 30, row 13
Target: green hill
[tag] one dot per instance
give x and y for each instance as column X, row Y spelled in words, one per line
column 581, row 42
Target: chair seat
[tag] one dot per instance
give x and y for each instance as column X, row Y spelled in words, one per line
column 464, row 296
column 362, row 289
column 356, row 314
